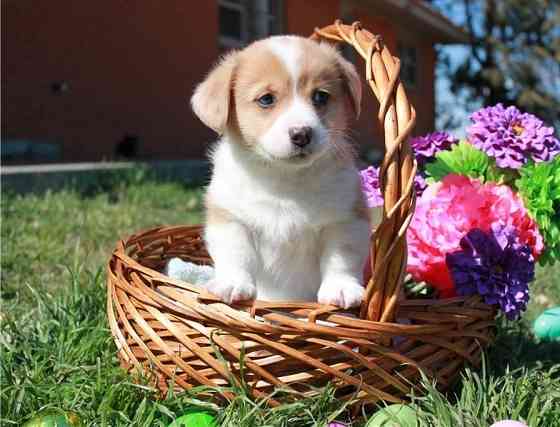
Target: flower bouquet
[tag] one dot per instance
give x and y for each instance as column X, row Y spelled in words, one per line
column 488, row 209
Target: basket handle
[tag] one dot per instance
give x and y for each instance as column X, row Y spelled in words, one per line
column 388, row 250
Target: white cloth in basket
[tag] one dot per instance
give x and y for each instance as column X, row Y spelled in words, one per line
column 195, row 274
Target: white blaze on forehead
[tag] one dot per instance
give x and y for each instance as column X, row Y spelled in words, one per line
column 289, row 50
column 275, row 143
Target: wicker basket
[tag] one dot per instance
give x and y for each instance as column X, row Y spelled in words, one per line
column 187, row 338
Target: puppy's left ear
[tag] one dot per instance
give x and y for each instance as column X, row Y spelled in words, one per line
column 353, row 84
column 211, row 99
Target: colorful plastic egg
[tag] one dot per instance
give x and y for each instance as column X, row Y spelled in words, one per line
column 547, row 325
column 397, row 415
column 194, row 419
column 336, row 424
column 509, row 423
column 54, row 418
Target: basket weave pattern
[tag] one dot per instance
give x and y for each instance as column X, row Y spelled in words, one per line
column 186, row 337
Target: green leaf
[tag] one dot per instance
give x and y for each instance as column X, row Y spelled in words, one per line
column 539, row 186
column 464, row 159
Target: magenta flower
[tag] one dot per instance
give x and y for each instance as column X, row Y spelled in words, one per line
column 447, row 211
column 496, row 266
column 511, row 137
column 426, row 147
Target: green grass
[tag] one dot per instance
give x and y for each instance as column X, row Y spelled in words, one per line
column 44, row 235
column 57, row 351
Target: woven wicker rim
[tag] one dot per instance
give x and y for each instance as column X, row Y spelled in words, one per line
column 176, row 329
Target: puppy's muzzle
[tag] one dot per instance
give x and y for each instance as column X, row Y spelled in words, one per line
column 301, row 135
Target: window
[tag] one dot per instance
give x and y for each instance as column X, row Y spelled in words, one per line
column 242, row 21
column 409, row 67
column 233, row 23
column 266, row 18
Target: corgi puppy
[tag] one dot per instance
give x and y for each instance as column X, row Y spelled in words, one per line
column 285, row 214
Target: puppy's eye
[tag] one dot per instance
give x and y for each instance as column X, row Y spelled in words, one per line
column 320, row 97
column 266, row 101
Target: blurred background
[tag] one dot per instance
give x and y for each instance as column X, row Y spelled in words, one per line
column 111, row 79
column 103, row 80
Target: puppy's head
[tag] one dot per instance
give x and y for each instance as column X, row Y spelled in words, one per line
column 286, row 98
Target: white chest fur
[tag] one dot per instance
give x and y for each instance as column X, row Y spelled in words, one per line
column 284, row 214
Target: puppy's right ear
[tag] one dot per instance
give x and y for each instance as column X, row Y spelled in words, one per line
column 211, row 99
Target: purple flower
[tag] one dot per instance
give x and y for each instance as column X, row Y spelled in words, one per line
column 371, row 186
column 496, row 266
column 426, row 147
column 512, row 137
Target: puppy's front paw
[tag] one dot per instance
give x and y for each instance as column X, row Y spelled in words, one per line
column 343, row 292
column 232, row 289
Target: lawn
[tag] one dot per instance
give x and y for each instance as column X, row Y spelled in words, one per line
column 57, row 351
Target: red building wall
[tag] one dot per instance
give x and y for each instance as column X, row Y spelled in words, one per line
column 131, row 68
column 301, row 17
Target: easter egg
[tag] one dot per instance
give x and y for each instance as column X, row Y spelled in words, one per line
column 397, row 415
column 336, row 424
column 194, row 419
column 54, row 418
column 508, row 423
column 547, row 325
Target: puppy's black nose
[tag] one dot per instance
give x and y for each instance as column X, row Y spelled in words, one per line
column 301, row 135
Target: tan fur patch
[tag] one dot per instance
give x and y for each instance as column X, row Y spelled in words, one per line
column 211, row 99
column 321, row 69
column 323, row 65
column 217, row 215
column 259, row 72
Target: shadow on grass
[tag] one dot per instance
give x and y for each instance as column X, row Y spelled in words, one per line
column 516, row 347
column 92, row 182
column 113, row 182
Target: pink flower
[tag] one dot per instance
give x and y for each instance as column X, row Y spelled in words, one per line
column 447, row 211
